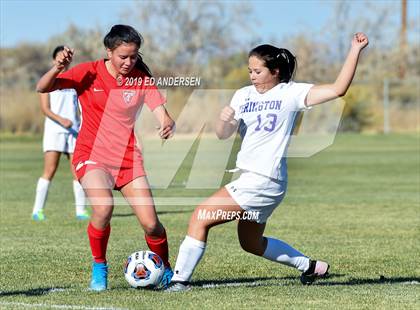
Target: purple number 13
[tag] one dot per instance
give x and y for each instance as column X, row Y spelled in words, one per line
column 271, row 125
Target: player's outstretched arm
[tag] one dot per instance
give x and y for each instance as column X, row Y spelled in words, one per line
column 47, row 83
column 322, row 93
column 226, row 124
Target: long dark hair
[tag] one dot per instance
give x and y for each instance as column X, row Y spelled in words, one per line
column 120, row 34
column 276, row 58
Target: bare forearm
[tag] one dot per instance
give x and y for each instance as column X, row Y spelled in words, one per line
column 47, row 82
column 225, row 129
column 51, row 115
column 162, row 115
column 46, row 108
column 323, row 93
column 345, row 77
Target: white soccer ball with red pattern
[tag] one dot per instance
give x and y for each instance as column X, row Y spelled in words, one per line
column 144, row 269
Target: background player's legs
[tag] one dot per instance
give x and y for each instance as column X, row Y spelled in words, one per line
column 51, row 161
column 194, row 244
column 79, row 194
column 252, row 240
column 138, row 195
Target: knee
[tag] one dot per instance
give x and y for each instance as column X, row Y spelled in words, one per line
column 246, row 246
column 153, row 228
column 49, row 173
column 197, row 219
column 253, row 247
column 102, row 217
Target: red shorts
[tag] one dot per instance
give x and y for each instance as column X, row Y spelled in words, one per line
column 119, row 176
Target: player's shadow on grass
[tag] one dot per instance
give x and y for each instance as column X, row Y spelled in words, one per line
column 32, row 292
column 375, row 281
column 250, row 282
column 292, row 280
column 256, row 281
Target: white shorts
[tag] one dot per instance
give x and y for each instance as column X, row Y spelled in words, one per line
column 257, row 193
column 61, row 142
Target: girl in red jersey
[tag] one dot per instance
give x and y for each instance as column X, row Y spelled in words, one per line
column 106, row 156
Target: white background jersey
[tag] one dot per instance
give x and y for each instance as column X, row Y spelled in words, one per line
column 266, row 123
column 64, row 103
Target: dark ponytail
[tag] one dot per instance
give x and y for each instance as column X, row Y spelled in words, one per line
column 141, row 65
column 276, row 58
column 120, row 34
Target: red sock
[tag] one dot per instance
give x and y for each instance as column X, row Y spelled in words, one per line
column 98, row 240
column 159, row 245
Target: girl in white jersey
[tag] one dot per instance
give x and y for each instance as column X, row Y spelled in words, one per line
column 60, row 132
column 265, row 114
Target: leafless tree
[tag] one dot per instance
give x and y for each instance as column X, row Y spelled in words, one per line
column 181, row 36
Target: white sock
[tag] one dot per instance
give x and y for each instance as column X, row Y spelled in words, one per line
column 281, row 252
column 41, row 195
column 79, row 197
column 190, row 253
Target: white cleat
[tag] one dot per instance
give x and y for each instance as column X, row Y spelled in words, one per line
column 175, row 286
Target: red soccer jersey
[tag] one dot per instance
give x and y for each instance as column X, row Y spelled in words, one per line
column 109, row 113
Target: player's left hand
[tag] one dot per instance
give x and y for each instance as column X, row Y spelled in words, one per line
column 359, row 41
column 167, row 129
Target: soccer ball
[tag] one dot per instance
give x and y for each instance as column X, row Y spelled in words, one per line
column 144, row 269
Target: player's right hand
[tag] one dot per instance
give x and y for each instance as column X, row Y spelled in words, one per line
column 66, row 123
column 227, row 114
column 64, row 58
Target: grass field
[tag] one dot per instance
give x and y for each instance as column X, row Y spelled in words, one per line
column 355, row 205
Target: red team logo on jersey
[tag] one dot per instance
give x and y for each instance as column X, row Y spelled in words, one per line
column 128, row 95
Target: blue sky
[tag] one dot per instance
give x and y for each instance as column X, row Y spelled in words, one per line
column 36, row 21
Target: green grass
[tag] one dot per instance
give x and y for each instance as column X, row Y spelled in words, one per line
column 355, row 205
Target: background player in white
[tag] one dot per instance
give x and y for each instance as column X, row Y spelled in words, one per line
column 265, row 114
column 60, row 132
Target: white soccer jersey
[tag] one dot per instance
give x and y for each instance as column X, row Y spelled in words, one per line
column 266, row 123
column 63, row 102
